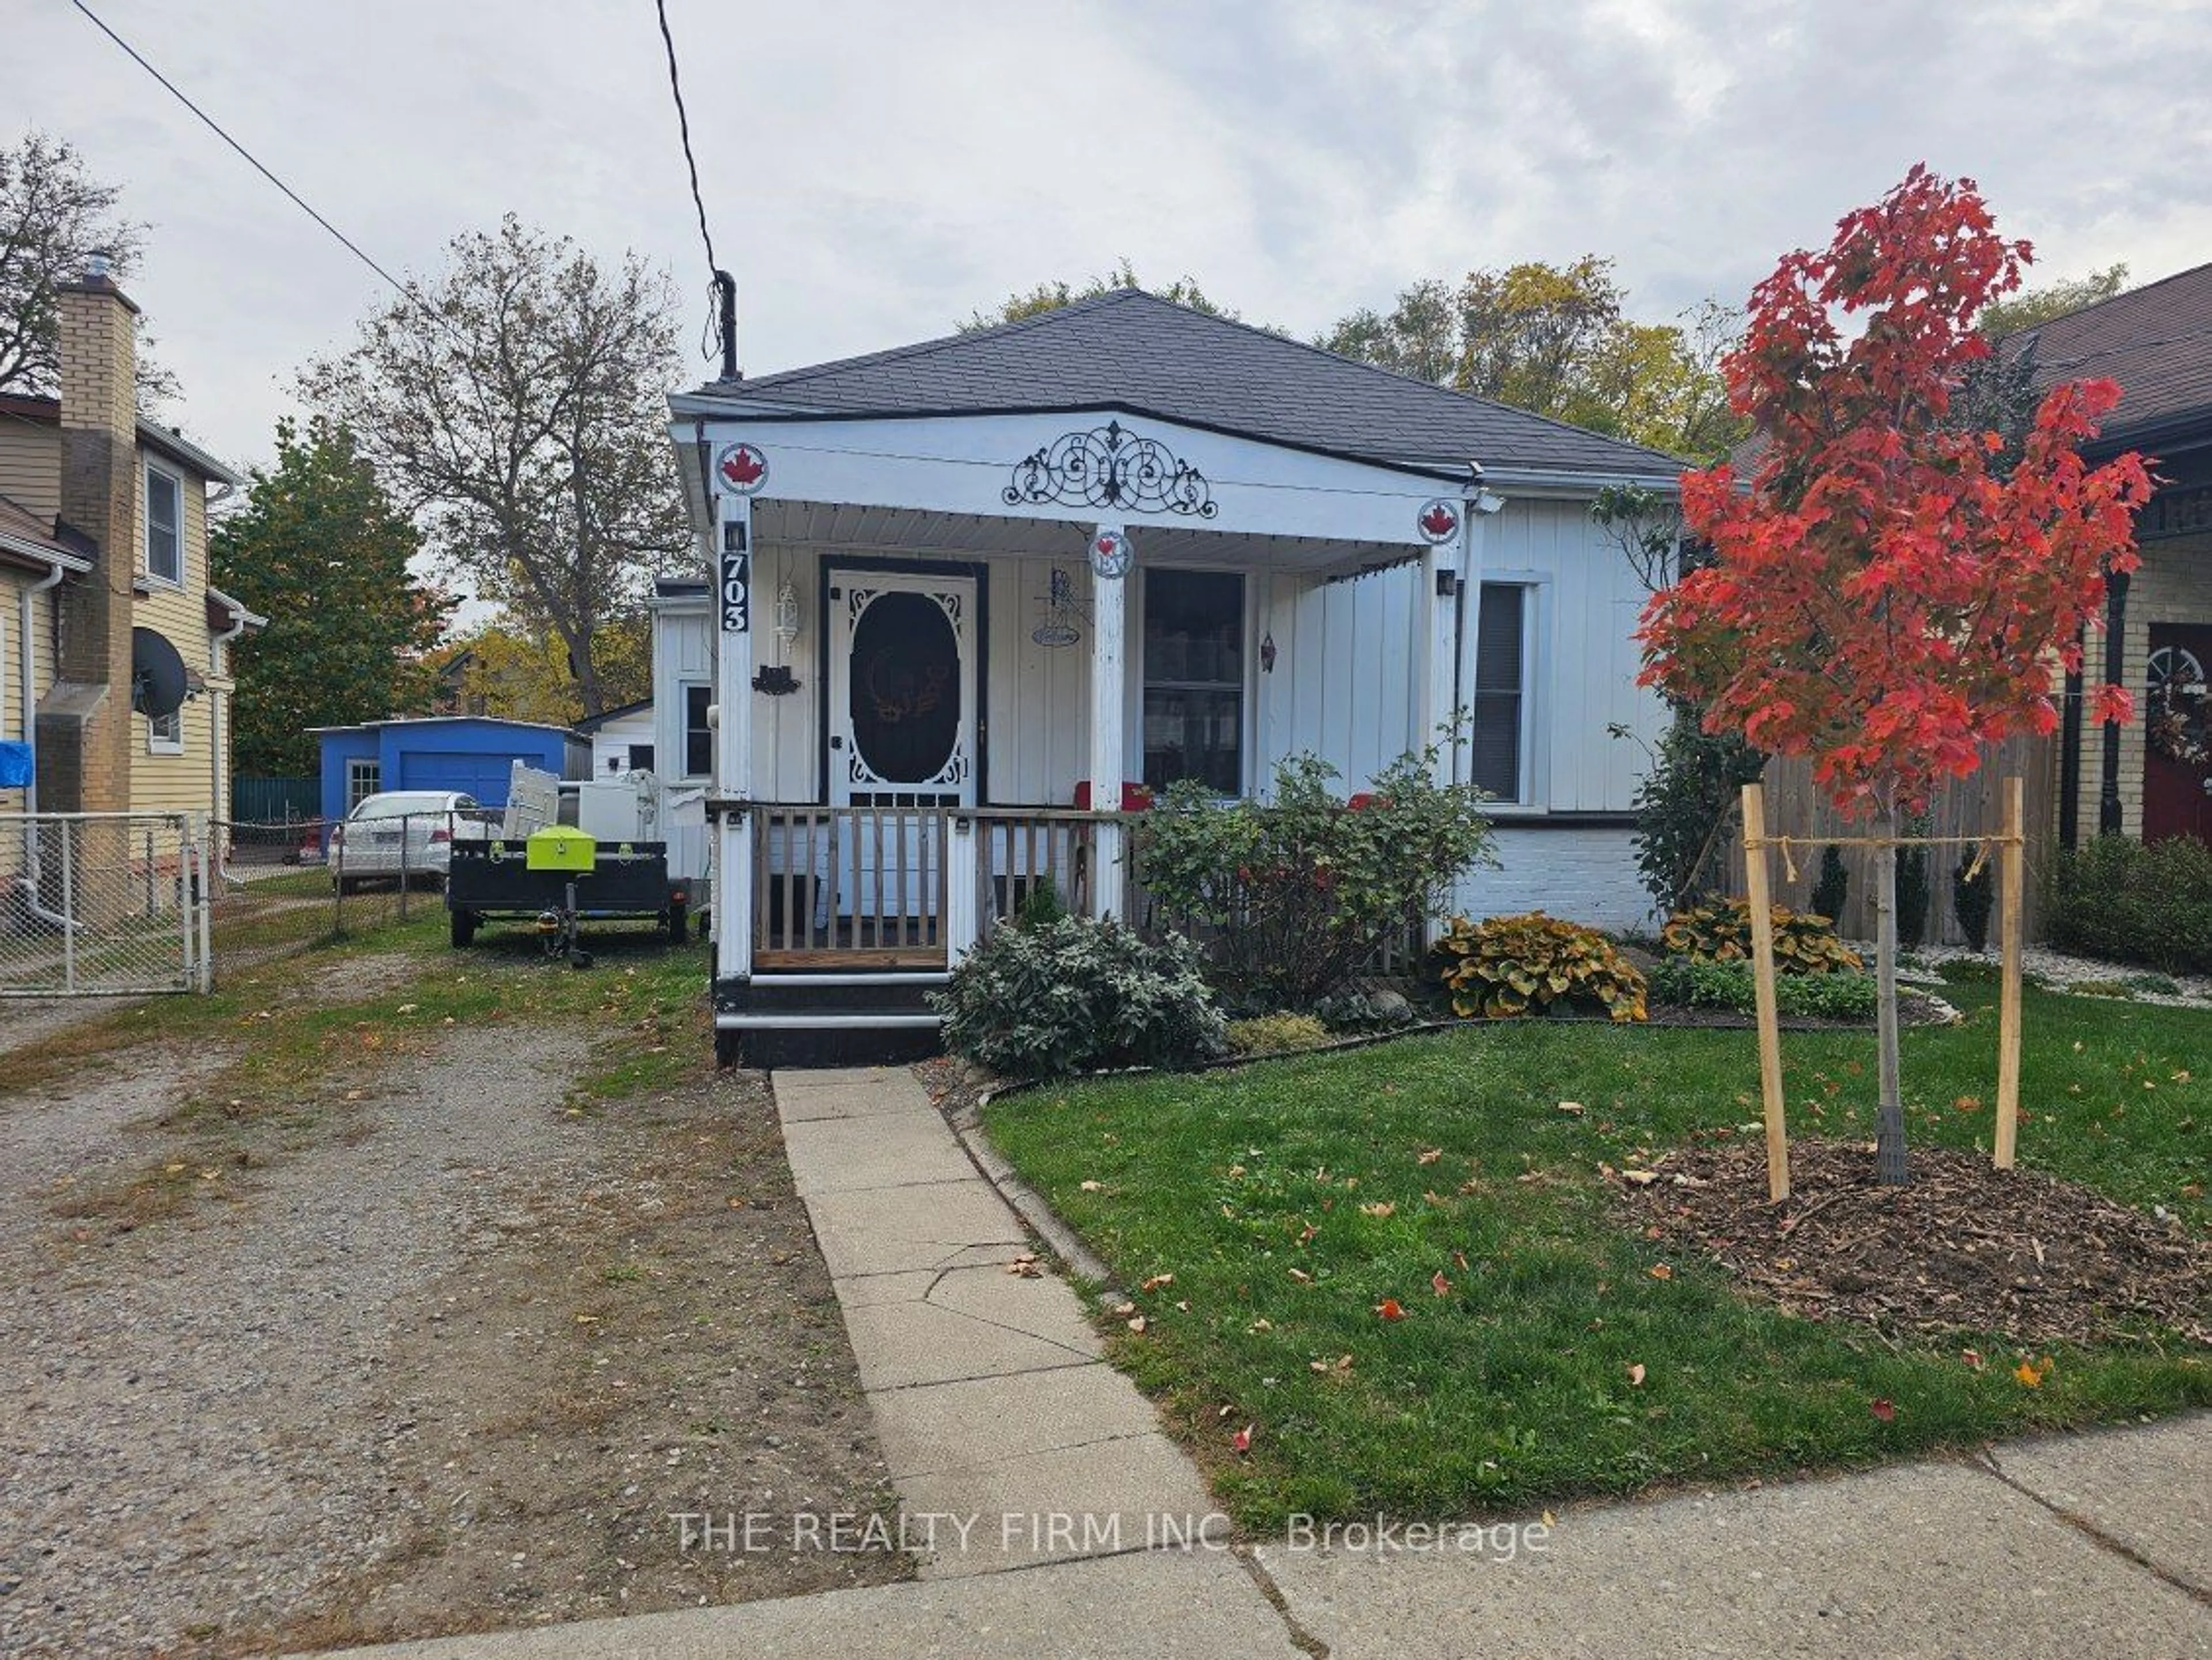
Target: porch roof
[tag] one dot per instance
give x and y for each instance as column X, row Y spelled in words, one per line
column 1134, row 351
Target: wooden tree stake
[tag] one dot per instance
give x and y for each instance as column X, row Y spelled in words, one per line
column 2012, row 883
column 1762, row 983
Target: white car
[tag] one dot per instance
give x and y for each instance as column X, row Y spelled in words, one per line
column 402, row 833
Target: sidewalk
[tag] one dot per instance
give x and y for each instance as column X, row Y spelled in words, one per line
column 994, row 1408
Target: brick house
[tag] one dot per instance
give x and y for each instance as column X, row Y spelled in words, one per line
column 2148, row 778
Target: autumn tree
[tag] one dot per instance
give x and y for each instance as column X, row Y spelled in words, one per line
column 1881, row 598
column 524, row 673
column 321, row 552
column 1556, row 340
column 516, row 405
column 54, row 215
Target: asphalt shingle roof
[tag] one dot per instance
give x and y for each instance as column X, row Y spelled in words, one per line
column 2156, row 341
column 1138, row 351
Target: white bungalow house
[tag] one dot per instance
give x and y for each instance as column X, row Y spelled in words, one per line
column 966, row 591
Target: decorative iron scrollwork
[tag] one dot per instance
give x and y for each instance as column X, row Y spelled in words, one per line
column 1110, row 468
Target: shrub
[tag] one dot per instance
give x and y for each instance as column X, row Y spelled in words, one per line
column 2128, row 902
column 1041, row 906
column 2157, row 985
column 1834, row 886
column 1510, row 965
column 1047, row 999
column 1295, row 894
column 1683, row 808
column 1842, row 995
column 1268, row 1034
column 1720, row 933
column 1971, row 898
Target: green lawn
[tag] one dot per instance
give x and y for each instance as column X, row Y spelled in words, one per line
column 1291, row 1199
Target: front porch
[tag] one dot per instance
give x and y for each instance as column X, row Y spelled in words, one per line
column 927, row 671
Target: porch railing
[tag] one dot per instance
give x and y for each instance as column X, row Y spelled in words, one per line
column 850, row 887
column 1023, row 853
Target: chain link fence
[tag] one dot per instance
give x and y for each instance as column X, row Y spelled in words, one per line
column 102, row 903
column 290, row 883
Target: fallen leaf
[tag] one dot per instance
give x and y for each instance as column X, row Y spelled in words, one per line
column 1184, row 1305
column 1570, row 1106
column 1242, row 1439
column 1642, row 1178
column 1549, row 1520
column 1389, row 1309
column 1122, row 1311
column 1225, row 1412
column 1973, row 1358
column 1137, row 1325
column 1883, row 1408
column 1094, row 1187
column 2031, row 1373
column 1383, row 1207
column 1025, row 1268
column 1344, row 1363
column 1430, row 1155
column 1660, row 1271
column 1261, row 1324
column 1439, row 1285
column 1636, row 1376
column 1460, row 1257
column 1302, row 1276
column 1157, row 1281
column 405, row 1008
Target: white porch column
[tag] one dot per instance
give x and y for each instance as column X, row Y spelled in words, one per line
column 1109, row 613
column 1435, row 642
column 1474, row 535
column 733, row 735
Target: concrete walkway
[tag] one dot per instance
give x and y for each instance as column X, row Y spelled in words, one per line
column 989, row 1395
column 995, row 1410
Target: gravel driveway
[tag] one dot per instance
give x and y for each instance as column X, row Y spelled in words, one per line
column 448, row 1359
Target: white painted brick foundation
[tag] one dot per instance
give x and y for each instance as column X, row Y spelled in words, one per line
column 1583, row 875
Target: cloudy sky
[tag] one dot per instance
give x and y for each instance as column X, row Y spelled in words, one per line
column 874, row 171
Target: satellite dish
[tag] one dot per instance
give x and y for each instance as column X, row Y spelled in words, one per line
column 157, row 674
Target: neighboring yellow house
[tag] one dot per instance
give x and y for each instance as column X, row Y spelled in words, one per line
column 103, row 557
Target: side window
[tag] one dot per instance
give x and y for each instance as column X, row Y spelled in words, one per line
column 165, row 526
column 1500, row 691
column 165, row 733
column 698, row 736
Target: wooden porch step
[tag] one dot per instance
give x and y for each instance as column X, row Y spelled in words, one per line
column 922, row 958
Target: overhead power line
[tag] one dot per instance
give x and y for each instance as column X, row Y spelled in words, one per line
column 252, row 161
column 723, row 318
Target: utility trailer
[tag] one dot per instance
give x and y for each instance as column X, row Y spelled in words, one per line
column 556, row 876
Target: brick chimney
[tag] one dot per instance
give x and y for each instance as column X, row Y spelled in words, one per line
column 85, row 721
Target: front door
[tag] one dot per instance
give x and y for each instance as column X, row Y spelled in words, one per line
column 2178, row 734
column 902, row 734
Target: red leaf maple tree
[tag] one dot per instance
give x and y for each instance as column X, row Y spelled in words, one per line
column 1881, row 595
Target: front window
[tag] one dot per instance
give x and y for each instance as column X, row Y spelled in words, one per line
column 698, row 736
column 1500, row 691
column 1194, row 679
column 165, row 522
column 363, row 780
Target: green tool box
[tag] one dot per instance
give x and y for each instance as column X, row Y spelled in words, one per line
column 557, row 846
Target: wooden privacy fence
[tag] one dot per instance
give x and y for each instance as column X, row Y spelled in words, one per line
column 1963, row 810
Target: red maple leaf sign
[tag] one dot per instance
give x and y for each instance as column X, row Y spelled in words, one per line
column 1439, row 522
column 743, row 466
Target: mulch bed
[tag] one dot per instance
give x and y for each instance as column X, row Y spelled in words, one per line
column 1965, row 1247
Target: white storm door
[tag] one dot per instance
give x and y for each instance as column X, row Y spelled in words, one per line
column 902, row 666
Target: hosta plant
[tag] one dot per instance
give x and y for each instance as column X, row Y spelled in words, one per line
column 1720, row 933
column 1512, row 965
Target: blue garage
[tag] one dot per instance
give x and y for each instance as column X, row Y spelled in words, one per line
column 472, row 753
